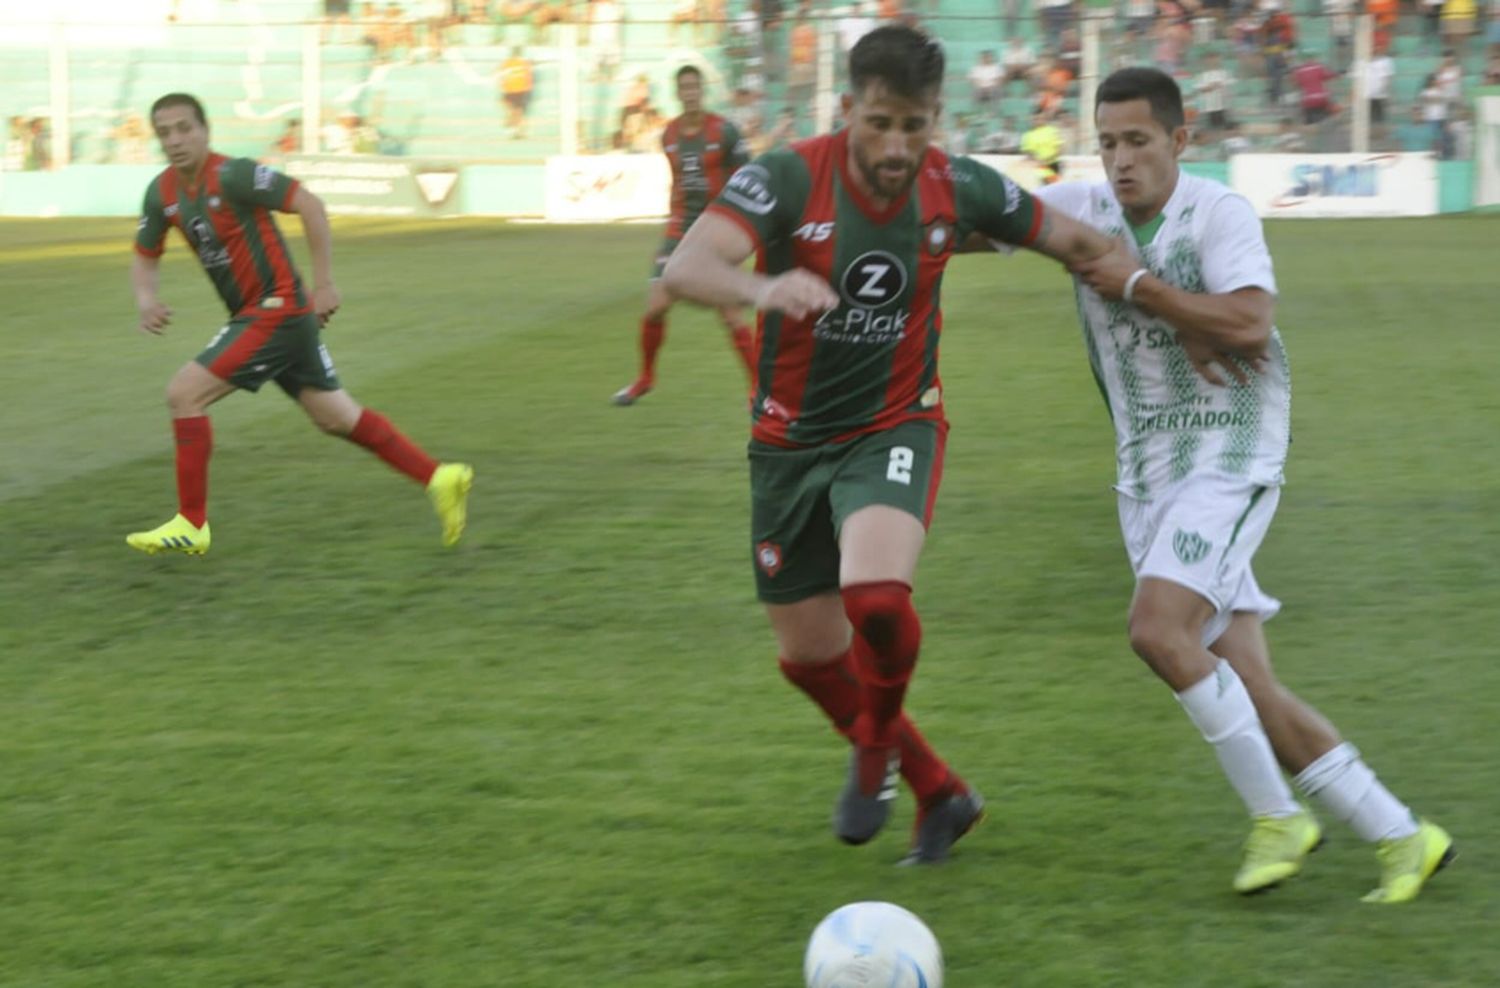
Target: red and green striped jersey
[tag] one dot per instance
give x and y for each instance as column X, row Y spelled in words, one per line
column 870, row 363
column 701, row 162
column 227, row 219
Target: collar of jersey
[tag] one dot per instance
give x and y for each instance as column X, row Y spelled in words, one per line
column 841, row 152
column 209, row 164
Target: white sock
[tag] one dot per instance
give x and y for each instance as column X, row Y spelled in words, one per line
column 1221, row 709
column 1343, row 783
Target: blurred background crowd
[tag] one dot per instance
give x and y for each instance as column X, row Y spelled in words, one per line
column 523, row 79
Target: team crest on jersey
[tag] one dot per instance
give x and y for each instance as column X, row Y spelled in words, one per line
column 875, row 279
column 750, row 189
column 937, row 237
column 213, row 202
column 768, row 557
column 1190, row 547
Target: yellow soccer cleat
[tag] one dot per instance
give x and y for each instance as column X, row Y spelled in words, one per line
column 449, row 491
column 1275, row 850
column 1407, row 862
column 177, row 535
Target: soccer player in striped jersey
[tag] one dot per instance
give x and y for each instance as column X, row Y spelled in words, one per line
column 852, row 232
column 222, row 207
column 703, row 149
column 1181, row 338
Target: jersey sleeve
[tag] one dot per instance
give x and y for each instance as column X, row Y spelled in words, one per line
column 151, row 231
column 765, row 197
column 993, row 205
column 1233, row 248
column 248, row 181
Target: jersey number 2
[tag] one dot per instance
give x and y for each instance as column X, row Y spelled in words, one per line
column 899, row 468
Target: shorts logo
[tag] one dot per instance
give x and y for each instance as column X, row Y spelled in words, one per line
column 768, row 558
column 749, row 189
column 875, row 279
column 1190, row 547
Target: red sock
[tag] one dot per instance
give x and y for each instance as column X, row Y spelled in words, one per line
column 375, row 433
column 744, row 344
column 653, row 332
column 887, row 636
column 833, row 686
column 195, row 444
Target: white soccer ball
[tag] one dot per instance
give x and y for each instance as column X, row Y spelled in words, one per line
column 873, row 945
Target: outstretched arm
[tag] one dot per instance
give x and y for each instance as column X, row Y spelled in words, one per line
column 706, row 268
column 319, row 235
column 155, row 314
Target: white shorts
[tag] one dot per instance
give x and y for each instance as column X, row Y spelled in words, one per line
column 1202, row 533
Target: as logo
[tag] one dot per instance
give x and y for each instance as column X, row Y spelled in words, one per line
column 813, row 233
column 875, row 279
column 1190, row 547
column 768, row 557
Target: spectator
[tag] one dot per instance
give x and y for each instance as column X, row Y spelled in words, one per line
column 802, row 61
column 604, row 37
column 1312, row 78
column 1043, row 144
column 1458, row 18
column 853, row 25
column 1140, row 15
column 1245, row 35
column 1385, row 13
column 1278, row 36
column 1212, row 90
column 515, row 91
column 1415, row 133
column 1450, row 78
column 1434, row 108
column 1339, row 16
column 1056, row 15
column 1070, row 52
column 1378, row 76
column 16, row 144
column 38, row 146
column 336, row 16
column 1018, row 61
column 1461, row 134
column 1432, row 16
column 1235, row 142
column 289, row 141
column 986, row 78
column 133, row 141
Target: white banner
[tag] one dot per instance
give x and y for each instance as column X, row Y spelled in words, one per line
column 1337, row 184
column 602, row 187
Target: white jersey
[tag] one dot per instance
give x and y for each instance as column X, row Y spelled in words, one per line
column 1169, row 422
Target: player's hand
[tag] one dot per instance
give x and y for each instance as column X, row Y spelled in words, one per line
column 1107, row 274
column 798, row 293
column 155, row 317
column 325, row 303
column 1212, row 364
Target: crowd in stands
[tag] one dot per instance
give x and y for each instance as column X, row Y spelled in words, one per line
column 1259, row 75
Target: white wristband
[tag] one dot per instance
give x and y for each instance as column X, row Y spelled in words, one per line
column 1129, row 293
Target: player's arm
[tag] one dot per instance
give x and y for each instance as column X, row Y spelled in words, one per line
column 155, row 314
column 1005, row 214
column 319, row 234
column 707, row 268
column 150, row 240
column 1238, row 308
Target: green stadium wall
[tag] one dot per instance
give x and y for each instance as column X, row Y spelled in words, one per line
column 484, row 190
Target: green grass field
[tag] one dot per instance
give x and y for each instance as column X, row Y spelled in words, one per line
column 331, row 753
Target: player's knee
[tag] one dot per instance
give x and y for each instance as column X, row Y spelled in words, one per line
column 882, row 615
column 1155, row 637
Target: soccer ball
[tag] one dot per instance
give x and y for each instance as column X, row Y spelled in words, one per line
column 872, row 945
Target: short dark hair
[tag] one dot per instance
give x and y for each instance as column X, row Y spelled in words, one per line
column 909, row 62
column 180, row 99
column 689, row 70
column 1152, row 85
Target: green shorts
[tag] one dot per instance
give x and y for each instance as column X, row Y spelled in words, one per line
column 262, row 345
column 663, row 254
column 799, row 499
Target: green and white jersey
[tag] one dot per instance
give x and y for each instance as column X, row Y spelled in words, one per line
column 1169, row 422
